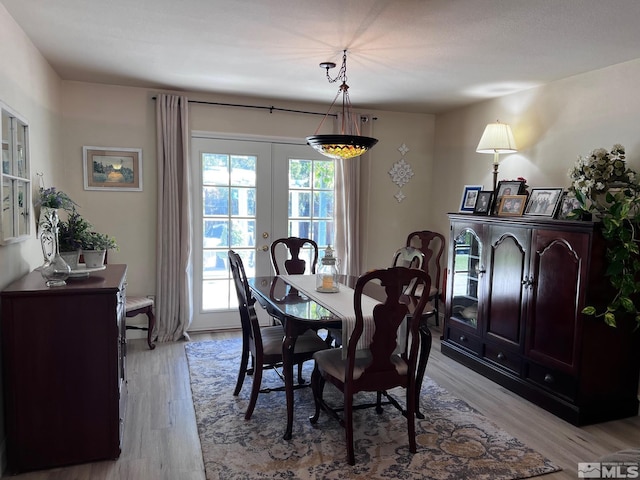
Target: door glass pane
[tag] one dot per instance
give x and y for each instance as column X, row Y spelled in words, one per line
column 228, row 213
column 466, row 271
column 311, row 200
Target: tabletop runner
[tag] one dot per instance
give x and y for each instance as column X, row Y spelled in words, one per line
column 339, row 303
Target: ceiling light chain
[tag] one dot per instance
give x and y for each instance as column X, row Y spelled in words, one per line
column 342, row 74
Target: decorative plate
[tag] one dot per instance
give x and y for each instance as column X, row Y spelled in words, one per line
column 83, row 271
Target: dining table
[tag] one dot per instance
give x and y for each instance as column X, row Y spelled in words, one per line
column 294, row 302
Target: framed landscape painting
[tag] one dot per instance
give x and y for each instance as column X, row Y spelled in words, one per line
column 112, row 168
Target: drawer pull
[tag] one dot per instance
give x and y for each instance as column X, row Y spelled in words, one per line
column 548, row 378
column 463, row 338
column 501, row 356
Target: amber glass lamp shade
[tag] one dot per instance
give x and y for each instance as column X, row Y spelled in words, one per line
column 341, row 146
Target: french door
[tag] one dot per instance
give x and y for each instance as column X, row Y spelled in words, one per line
column 241, row 202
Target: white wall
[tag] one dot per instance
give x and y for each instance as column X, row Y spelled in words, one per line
column 29, row 86
column 552, row 125
column 112, row 116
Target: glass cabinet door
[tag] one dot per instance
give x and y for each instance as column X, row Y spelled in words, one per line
column 466, row 272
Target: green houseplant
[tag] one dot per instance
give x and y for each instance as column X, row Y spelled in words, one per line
column 72, row 235
column 609, row 191
column 99, row 241
column 95, row 246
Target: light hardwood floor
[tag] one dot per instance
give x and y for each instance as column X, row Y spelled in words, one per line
column 161, row 440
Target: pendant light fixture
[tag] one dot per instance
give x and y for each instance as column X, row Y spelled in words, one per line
column 348, row 143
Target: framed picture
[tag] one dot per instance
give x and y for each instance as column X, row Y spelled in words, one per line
column 483, row 203
column 543, row 201
column 112, row 168
column 511, row 205
column 469, row 197
column 507, row 187
column 568, row 203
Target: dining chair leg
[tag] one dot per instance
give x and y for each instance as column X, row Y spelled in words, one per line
column 379, row 409
column 348, row 425
column 411, row 418
column 301, row 380
column 426, row 340
column 317, row 385
column 244, row 360
column 255, row 389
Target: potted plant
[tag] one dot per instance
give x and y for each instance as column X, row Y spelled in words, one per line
column 610, row 192
column 95, row 246
column 72, row 235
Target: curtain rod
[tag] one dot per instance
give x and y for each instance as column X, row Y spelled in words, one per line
column 259, row 107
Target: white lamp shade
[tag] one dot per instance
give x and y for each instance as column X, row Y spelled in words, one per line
column 497, row 138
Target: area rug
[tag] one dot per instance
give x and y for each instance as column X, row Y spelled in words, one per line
column 455, row 441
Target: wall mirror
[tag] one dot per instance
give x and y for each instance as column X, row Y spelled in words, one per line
column 15, row 183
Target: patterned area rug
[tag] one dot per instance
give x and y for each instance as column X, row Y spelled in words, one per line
column 455, row 442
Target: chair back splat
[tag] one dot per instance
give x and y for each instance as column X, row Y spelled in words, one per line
column 389, row 361
column 263, row 344
column 432, row 245
column 293, row 264
column 411, row 258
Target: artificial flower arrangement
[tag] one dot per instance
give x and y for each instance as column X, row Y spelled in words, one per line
column 53, row 198
column 609, row 191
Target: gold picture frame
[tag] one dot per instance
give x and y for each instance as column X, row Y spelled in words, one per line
column 112, row 168
column 512, row 205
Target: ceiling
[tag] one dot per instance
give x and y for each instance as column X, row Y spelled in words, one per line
column 404, row 55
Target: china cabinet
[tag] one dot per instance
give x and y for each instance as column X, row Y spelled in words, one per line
column 63, row 360
column 516, row 290
column 15, row 183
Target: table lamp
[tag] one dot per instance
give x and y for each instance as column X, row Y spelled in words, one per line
column 497, row 138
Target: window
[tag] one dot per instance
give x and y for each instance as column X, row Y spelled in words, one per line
column 312, row 200
column 15, row 183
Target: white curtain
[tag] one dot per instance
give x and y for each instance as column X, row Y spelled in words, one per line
column 174, row 307
column 347, row 209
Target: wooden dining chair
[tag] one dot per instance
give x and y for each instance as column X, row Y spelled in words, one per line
column 411, row 258
column 285, row 255
column 383, row 365
column 432, row 245
column 263, row 344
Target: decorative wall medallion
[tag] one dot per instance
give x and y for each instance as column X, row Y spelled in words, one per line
column 401, row 173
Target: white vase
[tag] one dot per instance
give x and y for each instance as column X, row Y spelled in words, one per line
column 71, row 258
column 94, row 258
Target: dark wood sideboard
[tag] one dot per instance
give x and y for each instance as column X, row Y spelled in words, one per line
column 63, row 359
column 516, row 289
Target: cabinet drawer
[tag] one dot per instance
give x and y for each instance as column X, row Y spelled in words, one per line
column 558, row 382
column 504, row 358
column 465, row 340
